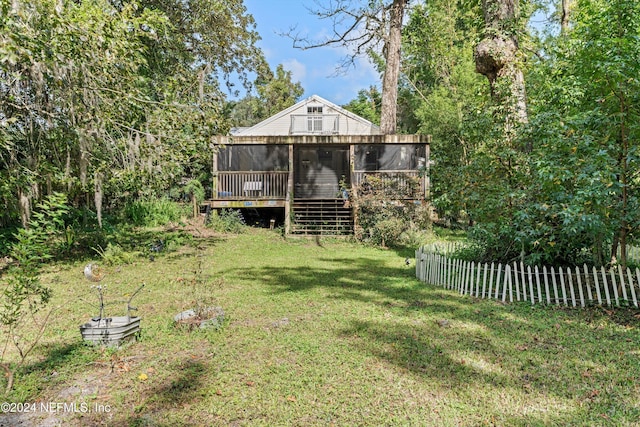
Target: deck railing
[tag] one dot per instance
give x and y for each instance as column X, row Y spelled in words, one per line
column 252, row 185
column 314, row 124
column 404, row 180
column 273, row 185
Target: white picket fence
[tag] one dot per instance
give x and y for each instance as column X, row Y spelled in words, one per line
column 517, row 282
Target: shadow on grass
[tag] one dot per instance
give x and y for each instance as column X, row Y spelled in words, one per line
column 180, row 389
column 544, row 356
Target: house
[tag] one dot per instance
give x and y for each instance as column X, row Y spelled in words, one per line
column 300, row 166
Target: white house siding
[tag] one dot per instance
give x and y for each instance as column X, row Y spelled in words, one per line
column 280, row 124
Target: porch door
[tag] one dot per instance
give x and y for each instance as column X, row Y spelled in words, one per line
column 319, row 170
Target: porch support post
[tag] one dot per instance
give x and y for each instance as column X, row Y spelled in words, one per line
column 214, row 173
column 289, row 196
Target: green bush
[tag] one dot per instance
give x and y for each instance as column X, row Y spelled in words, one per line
column 227, row 221
column 154, row 212
column 114, row 254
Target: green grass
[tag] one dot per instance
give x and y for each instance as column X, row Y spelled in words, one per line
column 330, row 333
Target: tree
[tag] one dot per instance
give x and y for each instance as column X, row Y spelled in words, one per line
column 367, row 104
column 278, row 92
column 367, row 29
column 590, row 99
column 496, row 57
column 113, row 99
column 445, row 97
column 274, row 94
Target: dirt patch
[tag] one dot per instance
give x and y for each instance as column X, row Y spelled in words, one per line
column 195, row 227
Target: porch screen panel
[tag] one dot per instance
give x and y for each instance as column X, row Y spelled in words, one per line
column 264, row 158
column 389, row 157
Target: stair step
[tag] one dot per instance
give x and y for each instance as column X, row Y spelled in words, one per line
column 321, row 217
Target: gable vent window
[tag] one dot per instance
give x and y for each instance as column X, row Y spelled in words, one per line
column 314, row 119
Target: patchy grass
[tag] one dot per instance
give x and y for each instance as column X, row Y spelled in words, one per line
column 326, row 333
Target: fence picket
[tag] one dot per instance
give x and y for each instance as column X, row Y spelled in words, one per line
column 573, row 293
column 588, row 284
column 478, row 280
column 580, row 292
column 507, row 284
column 522, row 280
column 555, row 287
column 530, row 284
column 484, row 279
column 624, row 288
column 490, row 281
column 564, row 290
column 498, row 280
column 537, row 272
column 605, row 285
column 546, row 284
column 631, row 290
column 595, row 280
column 614, row 286
column 467, row 278
column 425, row 272
column 515, row 274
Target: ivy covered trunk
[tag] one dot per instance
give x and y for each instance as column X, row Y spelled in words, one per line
column 496, row 57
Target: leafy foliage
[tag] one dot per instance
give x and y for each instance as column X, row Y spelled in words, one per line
column 24, row 295
column 385, row 210
column 153, row 212
column 227, row 221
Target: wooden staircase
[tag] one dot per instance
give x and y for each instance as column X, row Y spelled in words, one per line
column 327, row 217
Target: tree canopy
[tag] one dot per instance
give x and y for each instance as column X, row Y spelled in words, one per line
column 92, row 91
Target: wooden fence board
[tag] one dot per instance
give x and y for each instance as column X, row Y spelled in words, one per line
column 588, row 283
column 605, row 285
column 624, row 288
column 498, row 279
column 633, row 290
column 546, row 284
column 571, row 289
column 595, row 280
column 614, row 285
column 580, row 291
column 564, row 286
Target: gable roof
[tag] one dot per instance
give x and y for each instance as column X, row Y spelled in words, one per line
column 279, row 123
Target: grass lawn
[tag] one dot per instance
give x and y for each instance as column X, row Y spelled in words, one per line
column 325, row 333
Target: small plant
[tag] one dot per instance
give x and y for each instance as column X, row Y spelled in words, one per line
column 203, row 312
column 114, row 254
column 24, row 296
column 228, row 221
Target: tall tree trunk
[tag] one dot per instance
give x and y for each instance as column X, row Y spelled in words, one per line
column 564, row 16
column 496, row 58
column 24, row 205
column 388, row 114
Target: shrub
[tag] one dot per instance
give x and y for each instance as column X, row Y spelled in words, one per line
column 227, row 221
column 154, row 212
column 114, row 254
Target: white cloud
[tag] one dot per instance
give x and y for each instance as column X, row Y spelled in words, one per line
column 297, row 68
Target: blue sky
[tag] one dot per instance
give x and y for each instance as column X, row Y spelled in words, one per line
column 314, row 68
